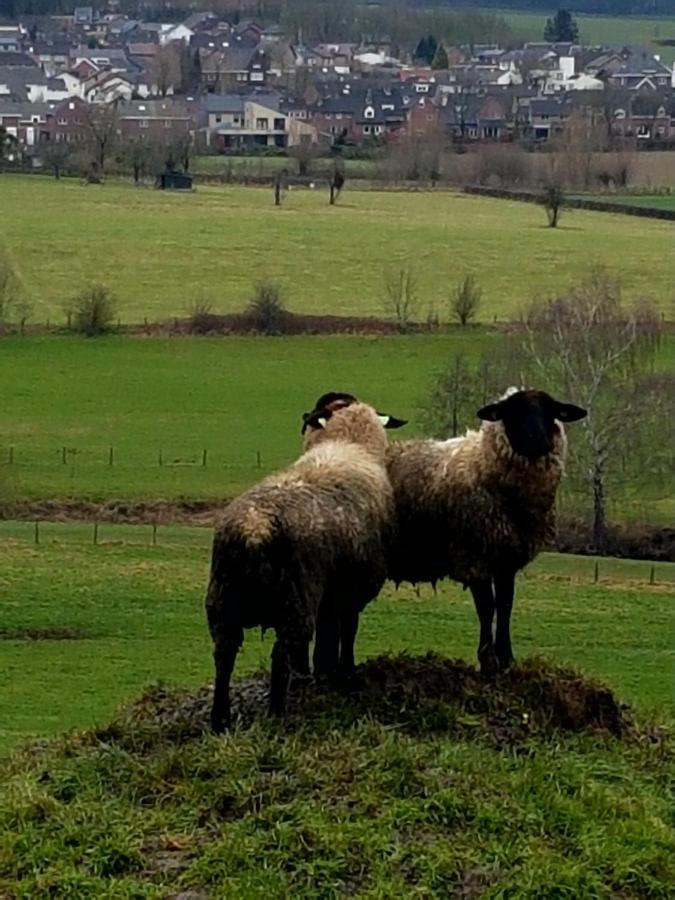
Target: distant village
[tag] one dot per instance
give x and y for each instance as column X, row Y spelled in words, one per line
column 244, row 86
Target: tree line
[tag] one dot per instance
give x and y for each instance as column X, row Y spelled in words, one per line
column 596, row 7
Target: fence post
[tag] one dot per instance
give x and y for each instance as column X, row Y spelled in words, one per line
column 63, row 455
column 111, row 457
column 258, row 459
column 95, row 533
column 154, row 534
column 204, row 458
column 652, row 575
column 37, row 533
column 159, row 458
column 597, row 572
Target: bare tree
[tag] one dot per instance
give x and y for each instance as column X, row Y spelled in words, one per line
column 166, row 68
column 578, row 145
column 304, row 155
column 465, row 300
column 552, row 199
column 140, row 155
column 179, row 153
column 100, row 125
column 400, row 295
column 280, row 180
column 453, row 399
column 593, row 348
column 55, row 155
column 337, row 180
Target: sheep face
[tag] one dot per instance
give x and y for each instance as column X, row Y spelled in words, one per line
column 530, row 420
column 339, row 416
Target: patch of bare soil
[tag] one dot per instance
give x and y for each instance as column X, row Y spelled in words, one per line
column 43, row 634
column 427, row 693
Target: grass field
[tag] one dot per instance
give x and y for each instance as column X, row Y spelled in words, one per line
column 433, row 798
column 139, row 611
column 160, row 252
column 234, row 397
column 650, row 201
column 602, row 29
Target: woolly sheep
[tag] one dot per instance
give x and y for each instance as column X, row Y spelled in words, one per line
column 311, row 536
column 479, row 508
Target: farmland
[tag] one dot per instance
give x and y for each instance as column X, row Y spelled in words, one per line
column 140, row 808
column 159, row 253
column 138, row 610
column 602, row 29
column 72, row 399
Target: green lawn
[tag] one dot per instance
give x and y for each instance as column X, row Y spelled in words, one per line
column 139, row 611
column 160, row 252
column 233, row 397
column 602, row 29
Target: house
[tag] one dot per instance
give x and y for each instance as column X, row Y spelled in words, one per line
column 232, row 121
column 641, row 71
column 547, row 116
column 234, row 67
column 11, row 40
column 645, row 116
column 169, row 33
column 163, row 121
column 476, row 118
column 31, row 84
column 52, row 54
column 107, row 86
column 84, row 18
column 27, row 122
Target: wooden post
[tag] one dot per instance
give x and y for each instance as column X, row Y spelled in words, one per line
column 63, row 455
column 111, row 457
column 597, row 572
column 204, row 458
column 95, row 533
column 258, row 459
column 37, row 533
column 154, row 534
column 652, row 575
column 161, row 462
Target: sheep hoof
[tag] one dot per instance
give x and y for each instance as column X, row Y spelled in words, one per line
column 506, row 661
column 489, row 665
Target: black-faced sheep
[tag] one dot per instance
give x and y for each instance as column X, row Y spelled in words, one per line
column 312, row 536
column 480, row 507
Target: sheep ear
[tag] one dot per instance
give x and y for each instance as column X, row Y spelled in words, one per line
column 391, row 421
column 490, row 413
column 568, row 412
column 316, row 419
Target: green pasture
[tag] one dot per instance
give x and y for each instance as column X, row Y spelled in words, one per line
column 69, row 400
column 649, row 201
column 160, row 252
column 135, row 613
column 601, row 30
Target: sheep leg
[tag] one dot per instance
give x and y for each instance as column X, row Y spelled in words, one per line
column 504, row 591
column 224, row 654
column 349, row 625
column 484, row 600
column 327, row 642
column 281, row 674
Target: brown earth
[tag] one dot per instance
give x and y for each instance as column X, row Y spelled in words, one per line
column 417, row 693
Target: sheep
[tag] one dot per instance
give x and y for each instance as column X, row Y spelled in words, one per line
column 307, row 538
column 479, row 508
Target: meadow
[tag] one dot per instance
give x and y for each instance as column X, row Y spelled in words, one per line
column 69, row 400
column 161, row 252
column 135, row 615
column 425, row 797
column 602, row 29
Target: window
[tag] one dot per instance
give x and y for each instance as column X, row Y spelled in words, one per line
column 279, row 124
column 366, row 129
column 257, row 76
column 62, row 121
column 219, row 119
column 369, row 113
column 338, row 115
column 143, row 123
column 167, row 123
column 261, row 124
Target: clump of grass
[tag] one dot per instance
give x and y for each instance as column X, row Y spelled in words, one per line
column 337, row 801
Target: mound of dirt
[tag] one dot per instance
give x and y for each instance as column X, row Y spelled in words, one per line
column 427, row 693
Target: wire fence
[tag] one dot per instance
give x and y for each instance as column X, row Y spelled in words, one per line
column 145, row 536
column 110, row 456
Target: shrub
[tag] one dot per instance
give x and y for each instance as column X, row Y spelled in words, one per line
column 202, row 319
column 93, row 311
column 266, row 312
column 400, row 295
column 465, row 300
